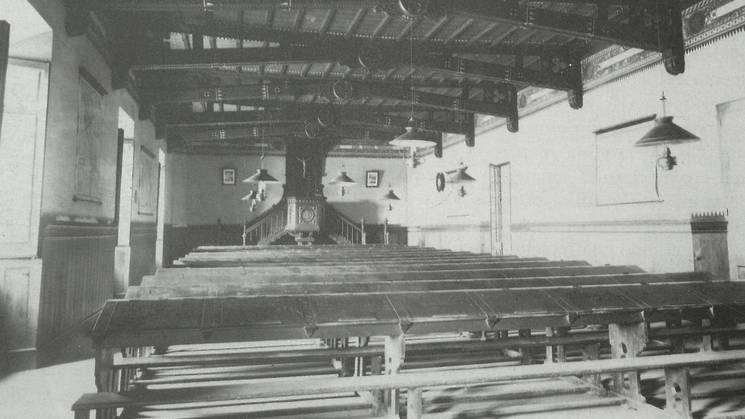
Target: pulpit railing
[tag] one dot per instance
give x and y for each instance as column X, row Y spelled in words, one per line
column 267, row 227
column 339, row 226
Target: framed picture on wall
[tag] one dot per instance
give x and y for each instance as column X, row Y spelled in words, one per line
column 372, row 180
column 228, row 176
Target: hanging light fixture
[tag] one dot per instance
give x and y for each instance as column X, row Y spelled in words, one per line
column 413, row 136
column 261, row 175
column 343, row 180
column 666, row 132
column 391, row 196
column 459, row 175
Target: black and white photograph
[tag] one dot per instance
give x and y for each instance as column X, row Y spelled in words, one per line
column 353, row 209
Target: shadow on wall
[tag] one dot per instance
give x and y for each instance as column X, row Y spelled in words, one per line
column 374, row 212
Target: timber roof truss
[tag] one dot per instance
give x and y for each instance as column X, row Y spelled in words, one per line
column 231, row 72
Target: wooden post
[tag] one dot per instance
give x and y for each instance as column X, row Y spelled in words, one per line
column 678, row 392
column 525, row 352
column 4, row 50
column 376, row 368
column 627, row 341
column 395, row 351
column 676, row 342
column 706, row 340
column 710, row 253
column 414, row 408
column 549, row 348
column 362, row 227
column 105, row 378
column 591, row 352
column 386, row 238
column 560, row 350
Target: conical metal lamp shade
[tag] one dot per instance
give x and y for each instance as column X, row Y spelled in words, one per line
column 460, row 176
column 261, row 175
column 414, row 137
column 343, row 180
column 665, row 132
column 391, row 196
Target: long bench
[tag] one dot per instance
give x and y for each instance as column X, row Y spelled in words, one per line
column 675, row 366
column 242, row 275
column 205, row 286
column 393, row 299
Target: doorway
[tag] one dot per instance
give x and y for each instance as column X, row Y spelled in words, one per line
column 501, row 204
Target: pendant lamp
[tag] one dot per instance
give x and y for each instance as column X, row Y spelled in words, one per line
column 261, row 175
column 459, row 175
column 413, row 136
column 391, row 196
column 665, row 131
column 342, row 179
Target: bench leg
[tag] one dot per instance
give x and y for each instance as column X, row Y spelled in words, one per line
column 376, row 368
column 549, row 348
column 105, row 378
column 627, row 341
column 676, row 342
column 591, row 352
column 525, row 352
column 395, row 352
column 560, row 349
column 678, row 392
column 706, row 341
column 414, row 407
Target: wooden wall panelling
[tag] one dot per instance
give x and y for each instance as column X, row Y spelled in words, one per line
column 77, row 276
column 142, row 244
column 174, row 238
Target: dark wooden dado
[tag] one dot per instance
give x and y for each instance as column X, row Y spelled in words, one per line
column 397, row 234
column 77, row 276
column 180, row 240
column 142, row 242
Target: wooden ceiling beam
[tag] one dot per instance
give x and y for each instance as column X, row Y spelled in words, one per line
column 217, row 135
column 388, row 7
column 340, row 91
column 554, row 75
column 232, row 29
column 341, row 116
column 634, row 34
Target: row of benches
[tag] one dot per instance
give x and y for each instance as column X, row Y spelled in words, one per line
column 342, row 293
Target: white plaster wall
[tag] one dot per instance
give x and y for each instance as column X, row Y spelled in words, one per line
column 360, row 201
column 552, row 162
column 206, row 199
column 68, row 54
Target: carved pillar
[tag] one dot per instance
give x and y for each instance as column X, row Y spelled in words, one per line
column 305, row 162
